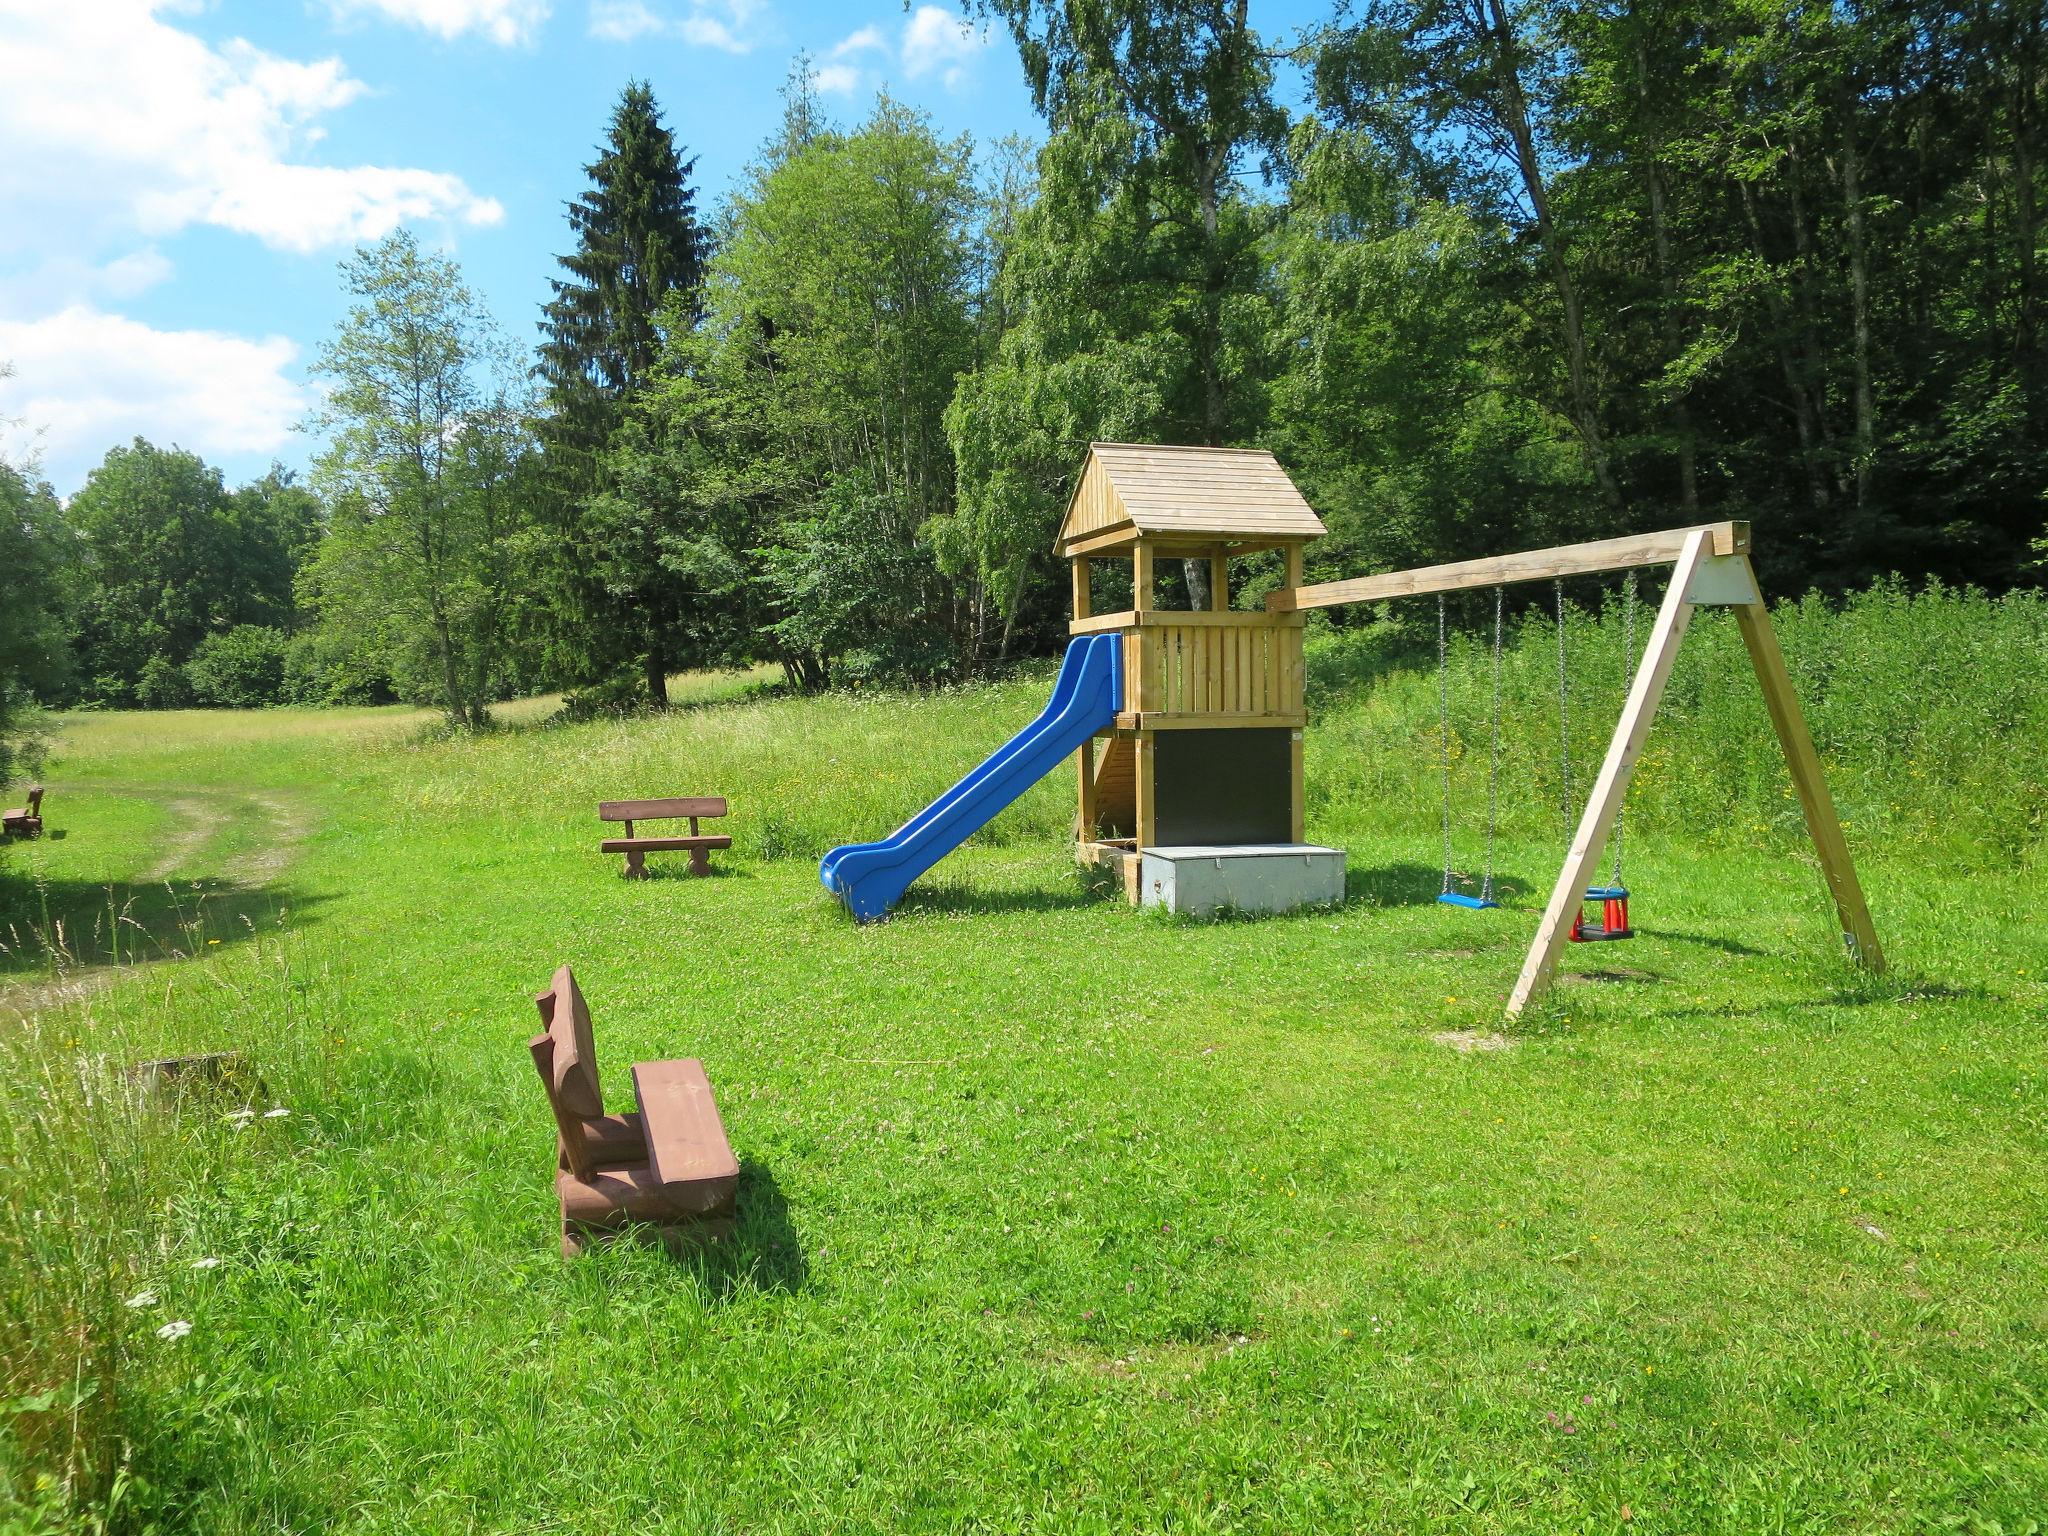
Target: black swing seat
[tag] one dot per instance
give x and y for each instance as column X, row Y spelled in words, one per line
column 1613, row 922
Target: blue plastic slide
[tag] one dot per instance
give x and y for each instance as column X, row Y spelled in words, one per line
column 872, row 877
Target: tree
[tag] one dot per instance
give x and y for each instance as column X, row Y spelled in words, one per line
column 1136, row 283
column 422, row 476
column 796, row 451
column 36, row 547
column 639, row 253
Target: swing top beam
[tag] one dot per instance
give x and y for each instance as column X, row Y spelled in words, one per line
column 1623, row 554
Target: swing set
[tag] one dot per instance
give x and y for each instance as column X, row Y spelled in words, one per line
column 1613, row 896
column 1710, row 567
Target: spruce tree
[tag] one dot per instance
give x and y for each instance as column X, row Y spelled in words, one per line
column 639, row 252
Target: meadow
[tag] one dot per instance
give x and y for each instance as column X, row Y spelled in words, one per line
column 1055, row 1215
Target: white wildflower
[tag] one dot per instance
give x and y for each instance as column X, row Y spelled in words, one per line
column 140, row 1300
column 206, row 1263
column 174, row 1331
column 276, row 1114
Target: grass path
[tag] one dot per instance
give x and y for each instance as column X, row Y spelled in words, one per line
column 1057, row 1216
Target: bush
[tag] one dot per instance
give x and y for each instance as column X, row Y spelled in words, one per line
column 239, row 668
column 162, row 685
column 322, row 668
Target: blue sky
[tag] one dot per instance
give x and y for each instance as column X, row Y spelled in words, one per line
column 178, row 178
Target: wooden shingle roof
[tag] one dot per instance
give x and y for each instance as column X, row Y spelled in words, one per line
column 1184, row 495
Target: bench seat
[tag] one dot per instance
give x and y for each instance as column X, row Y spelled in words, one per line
column 661, row 844
column 24, row 820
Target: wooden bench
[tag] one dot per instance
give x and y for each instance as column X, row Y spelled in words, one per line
column 667, row 1165
column 27, row 821
column 636, row 849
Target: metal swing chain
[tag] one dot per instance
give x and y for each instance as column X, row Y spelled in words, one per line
column 1628, row 680
column 1564, row 734
column 1443, row 711
column 1493, row 763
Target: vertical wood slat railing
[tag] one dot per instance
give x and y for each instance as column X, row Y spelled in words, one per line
column 1209, row 668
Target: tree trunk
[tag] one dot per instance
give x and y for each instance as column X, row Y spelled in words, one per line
column 654, row 669
column 2023, row 73
column 1667, row 286
column 1781, row 321
column 1514, row 107
column 1859, row 301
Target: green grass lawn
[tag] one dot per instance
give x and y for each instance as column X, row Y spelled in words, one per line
column 1054, row 1215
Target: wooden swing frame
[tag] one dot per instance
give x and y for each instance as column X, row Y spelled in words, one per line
column 1710, row 568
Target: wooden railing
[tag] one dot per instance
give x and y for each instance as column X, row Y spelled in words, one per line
column 1208, row 667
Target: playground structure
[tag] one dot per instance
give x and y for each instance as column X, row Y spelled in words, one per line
column 1186, row 725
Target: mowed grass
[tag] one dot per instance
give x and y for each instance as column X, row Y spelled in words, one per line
column 1055, row 1215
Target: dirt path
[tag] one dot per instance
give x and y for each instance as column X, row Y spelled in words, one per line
column 281, row 823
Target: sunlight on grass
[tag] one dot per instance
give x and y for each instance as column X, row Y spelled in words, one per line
column 1054, row 1214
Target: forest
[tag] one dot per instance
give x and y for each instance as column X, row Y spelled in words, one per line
column 1484, row 274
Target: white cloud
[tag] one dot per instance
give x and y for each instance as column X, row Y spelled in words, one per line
column 620, row 21
column 731, row 26
column 939, row 41
column 508, row 22
column 835, row 79
column 85, row 379
column 935, row 41
column 867, row 39
column 110, row 120
column 139, row 271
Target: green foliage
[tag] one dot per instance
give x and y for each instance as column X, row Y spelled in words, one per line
column 166, row 555
column 426, row 479
column 35, row 550
column 239, row 668
column 640, row 255
column 1133, row 286
column 795, row 453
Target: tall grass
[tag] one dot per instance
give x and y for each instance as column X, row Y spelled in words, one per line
column 98, row 1164
column 1930, row 711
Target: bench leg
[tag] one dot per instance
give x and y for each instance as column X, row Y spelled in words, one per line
column 700, row 861
column 636, row 864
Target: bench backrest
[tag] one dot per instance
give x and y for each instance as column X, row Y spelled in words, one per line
column 691, row 806
column 565, row 1055
column 35, row 800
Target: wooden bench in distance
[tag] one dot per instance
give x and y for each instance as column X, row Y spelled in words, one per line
column 668, row 1165
column 636, row 848
column 24, row 821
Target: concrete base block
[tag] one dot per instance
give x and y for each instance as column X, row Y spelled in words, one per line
column 1247, row 877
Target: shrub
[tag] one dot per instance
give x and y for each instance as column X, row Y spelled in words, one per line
column 162, row 685
column 239, row 668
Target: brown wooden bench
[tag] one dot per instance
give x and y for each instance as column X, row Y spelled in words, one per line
column 25, row 821
column 667, row 1165
column 636, row 849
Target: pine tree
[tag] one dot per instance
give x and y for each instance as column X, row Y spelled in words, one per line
column 640, row 253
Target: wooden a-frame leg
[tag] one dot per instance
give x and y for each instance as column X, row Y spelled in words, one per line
column 1604, row 804
column 1858, row 932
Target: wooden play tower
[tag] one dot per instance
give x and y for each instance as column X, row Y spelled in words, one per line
column 1207, row 748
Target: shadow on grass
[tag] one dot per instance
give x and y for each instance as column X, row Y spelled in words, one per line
column 1704, row 940
column 1418, row 885
column 62, row 924
column 765, row 1256
column 1085, row 888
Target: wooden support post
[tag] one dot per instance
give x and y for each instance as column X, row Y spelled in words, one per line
column 1293, row 557
column 1082, row 606
column 1084, row 822
column 1604, row 804
column 1141, row 577
column 1858, row 933
column 1219, row 581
